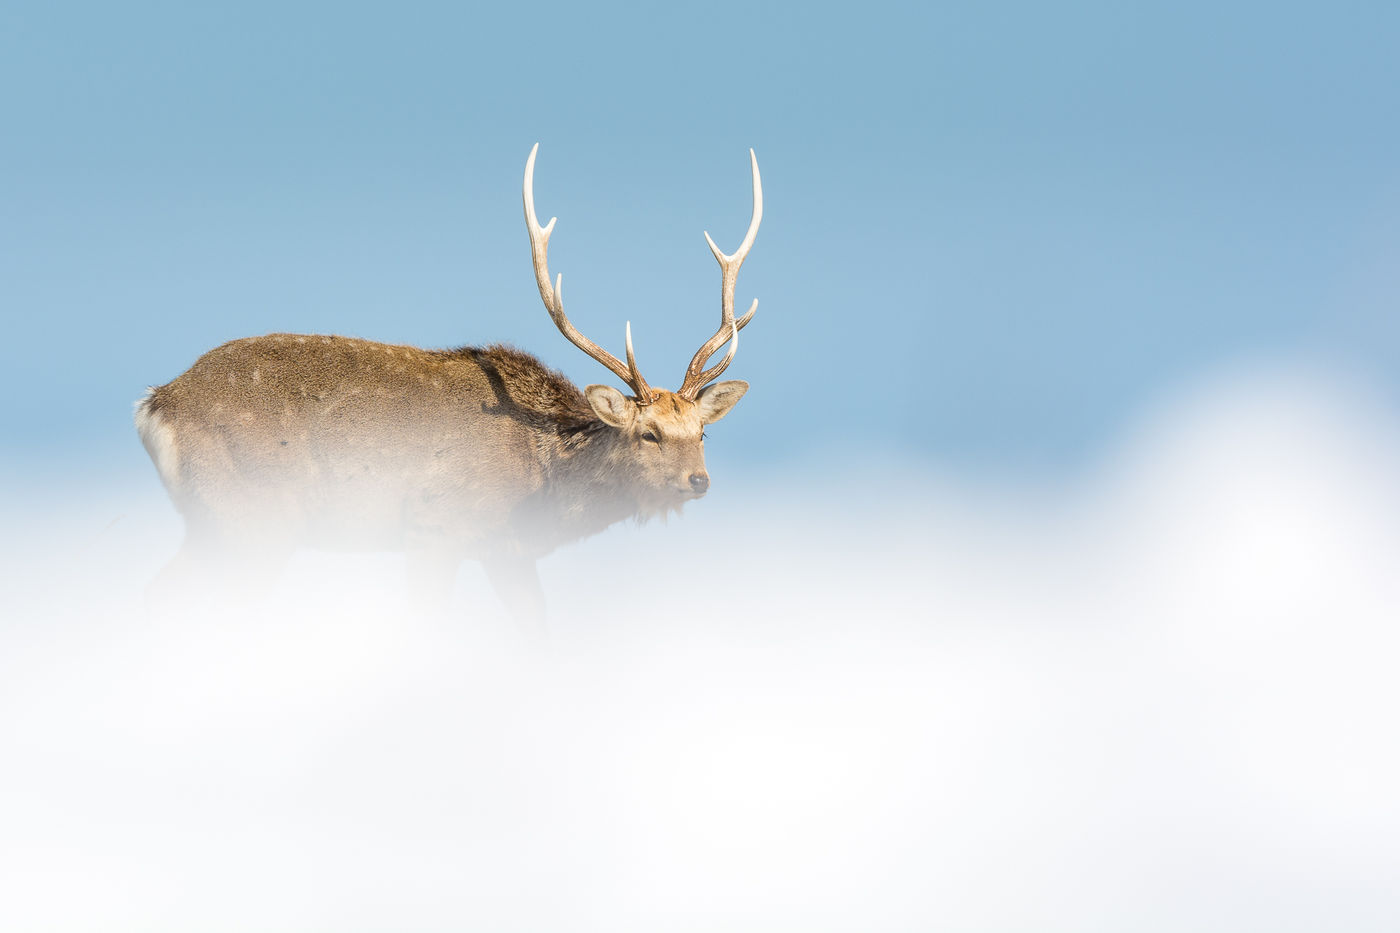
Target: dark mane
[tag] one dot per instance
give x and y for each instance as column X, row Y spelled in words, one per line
column 531, row 385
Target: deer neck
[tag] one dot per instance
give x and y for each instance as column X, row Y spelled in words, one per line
column 593, row 482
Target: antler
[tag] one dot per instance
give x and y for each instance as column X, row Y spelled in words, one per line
column 554, row 297
column 696, row 377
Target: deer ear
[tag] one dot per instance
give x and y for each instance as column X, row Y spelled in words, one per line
column 609, row 405
column 716, row 400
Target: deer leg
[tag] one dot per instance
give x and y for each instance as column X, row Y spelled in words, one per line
column 179, row 583
column 251, row 572
column 211, row 570
column 430, row 575
column 517, row 582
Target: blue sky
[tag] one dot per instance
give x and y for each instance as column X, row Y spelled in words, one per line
column 993, row 232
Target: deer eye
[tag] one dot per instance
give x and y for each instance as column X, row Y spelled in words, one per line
column 649, row 436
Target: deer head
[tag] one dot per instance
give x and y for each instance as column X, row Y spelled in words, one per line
column 663, row 431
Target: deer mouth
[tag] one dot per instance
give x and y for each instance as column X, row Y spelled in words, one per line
column 673, row 497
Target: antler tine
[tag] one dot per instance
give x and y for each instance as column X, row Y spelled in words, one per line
column 713, row 373
column 554, row 297
column 695, row 378
column 643, row 390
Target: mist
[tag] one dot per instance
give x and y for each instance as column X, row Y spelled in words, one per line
column 873, row 695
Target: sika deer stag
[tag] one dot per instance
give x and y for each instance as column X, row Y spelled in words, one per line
column 270, row 443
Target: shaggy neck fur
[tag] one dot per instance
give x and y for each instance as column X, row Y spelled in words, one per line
column 591, row 479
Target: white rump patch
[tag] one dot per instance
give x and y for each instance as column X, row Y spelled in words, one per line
column 158, row 439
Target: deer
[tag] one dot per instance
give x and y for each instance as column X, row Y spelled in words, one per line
column 270, row 444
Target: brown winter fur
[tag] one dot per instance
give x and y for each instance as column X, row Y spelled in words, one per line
column 269, row 443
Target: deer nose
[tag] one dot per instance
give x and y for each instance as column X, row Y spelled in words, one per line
column 699, row 482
